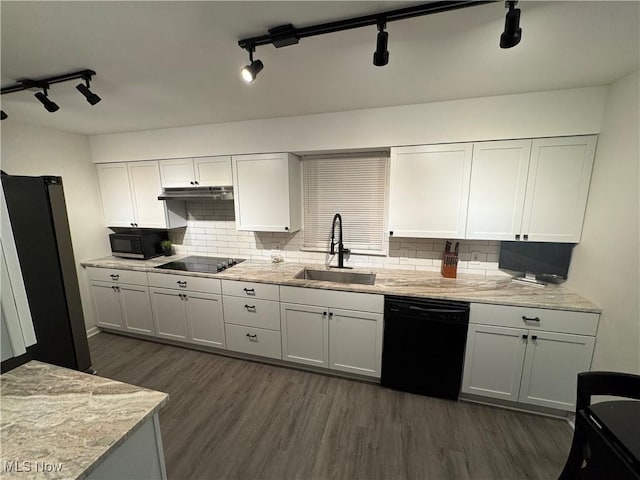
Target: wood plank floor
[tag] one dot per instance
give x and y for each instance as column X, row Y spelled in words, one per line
column 235, row 419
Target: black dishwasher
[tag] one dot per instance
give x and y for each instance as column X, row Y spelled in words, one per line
column 423, row 347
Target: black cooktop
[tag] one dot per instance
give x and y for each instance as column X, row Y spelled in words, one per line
column 202, row 264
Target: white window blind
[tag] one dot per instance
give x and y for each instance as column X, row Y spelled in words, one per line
column 354, row 187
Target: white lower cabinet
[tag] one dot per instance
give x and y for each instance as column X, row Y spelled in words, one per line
column 527, row 364
column 187, row 309
column 169, row 313
column 121, row 306
column 189, row 316
column 317, row 331
column 253, row 340
column 305, row 334
column 356, row 342
column 252, row 318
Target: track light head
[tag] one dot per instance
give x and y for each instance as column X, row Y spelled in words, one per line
column 3, row 116
column 91, row 97
column 381, row 55
column 44, row 100
column 512, row 32
column 251, row 71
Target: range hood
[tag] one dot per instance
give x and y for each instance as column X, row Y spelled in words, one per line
column 197, row 193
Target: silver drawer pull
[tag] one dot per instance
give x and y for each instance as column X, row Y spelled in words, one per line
column 114, row 276
column 182, row 284
column 529, row 319
column 252, row 337
column 249, row 291
column 251, row 308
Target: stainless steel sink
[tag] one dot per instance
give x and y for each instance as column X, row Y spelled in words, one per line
column 337, row 276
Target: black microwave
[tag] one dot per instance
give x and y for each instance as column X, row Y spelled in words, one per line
column 140, row 245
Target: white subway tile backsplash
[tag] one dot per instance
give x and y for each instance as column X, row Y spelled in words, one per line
column 211, row 230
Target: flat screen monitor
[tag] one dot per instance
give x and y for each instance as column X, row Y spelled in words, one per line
column 539, row 258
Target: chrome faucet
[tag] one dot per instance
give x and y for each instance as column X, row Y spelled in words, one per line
column 341, row 249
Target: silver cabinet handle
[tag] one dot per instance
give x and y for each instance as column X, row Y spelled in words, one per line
column 529, row 319
column 114, row 276
column 249, row 291
column 182, row 284
column 252, row 337
column 250, row 308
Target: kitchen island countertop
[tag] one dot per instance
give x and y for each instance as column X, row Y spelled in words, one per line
column 497, row 290
column 60, row 423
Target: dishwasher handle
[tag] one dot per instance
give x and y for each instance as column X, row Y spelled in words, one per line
column 437, row 310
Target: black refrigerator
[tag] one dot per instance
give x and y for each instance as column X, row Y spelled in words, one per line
column 38, row 216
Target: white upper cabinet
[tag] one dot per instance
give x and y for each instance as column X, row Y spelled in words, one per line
column 267, row 191
column 145, row 188
column 177, row 172
column 557, row 188
column 429, row 190
column 129, row 193
column 497, row 191
column 117, row 201
column 202, row 172
column 213, row 171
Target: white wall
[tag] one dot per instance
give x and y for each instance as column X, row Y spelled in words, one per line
column 28, row 150
column 605, row 267
column 540, row 114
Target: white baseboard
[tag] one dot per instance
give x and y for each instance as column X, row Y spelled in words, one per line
column 92, row 331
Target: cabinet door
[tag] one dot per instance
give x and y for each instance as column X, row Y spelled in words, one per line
column 305, row 334
column 177, row 173
column 169, row 314
column 213, row 171
column 429, row 190
column 551, row 367
column 493, row 361
column 136, row 309
column 261, row 191
column 106, row 301
column 115, row 192
column 355, row 340
column 145, row 188
column 557, row 188
column 205, row 320
column 496, row 194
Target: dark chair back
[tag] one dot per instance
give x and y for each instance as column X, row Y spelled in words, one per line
column 590, row 384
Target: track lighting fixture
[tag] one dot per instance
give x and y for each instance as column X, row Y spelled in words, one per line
column 44, row 84
column 251, row 71
column 3, row 116
column 286, row 35
column 83, row 88
column 44, row 100
column 512, row 32
column 381, row 55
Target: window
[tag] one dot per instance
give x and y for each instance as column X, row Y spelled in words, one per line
column 353, row 186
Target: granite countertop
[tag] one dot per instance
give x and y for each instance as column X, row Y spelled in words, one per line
column 64, row 423
column 411, row 283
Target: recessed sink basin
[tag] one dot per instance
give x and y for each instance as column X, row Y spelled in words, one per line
column 337, row 276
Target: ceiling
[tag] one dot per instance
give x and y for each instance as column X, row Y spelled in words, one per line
column 166, row 64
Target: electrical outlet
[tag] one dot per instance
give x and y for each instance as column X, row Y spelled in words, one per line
column 475, row 258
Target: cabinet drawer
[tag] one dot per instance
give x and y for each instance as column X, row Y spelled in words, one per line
column 265, row 291
column 252, row 312
column 117, row 275
column 563, row 321
column 364, row 302
column 256, row 341
column 184, row 282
